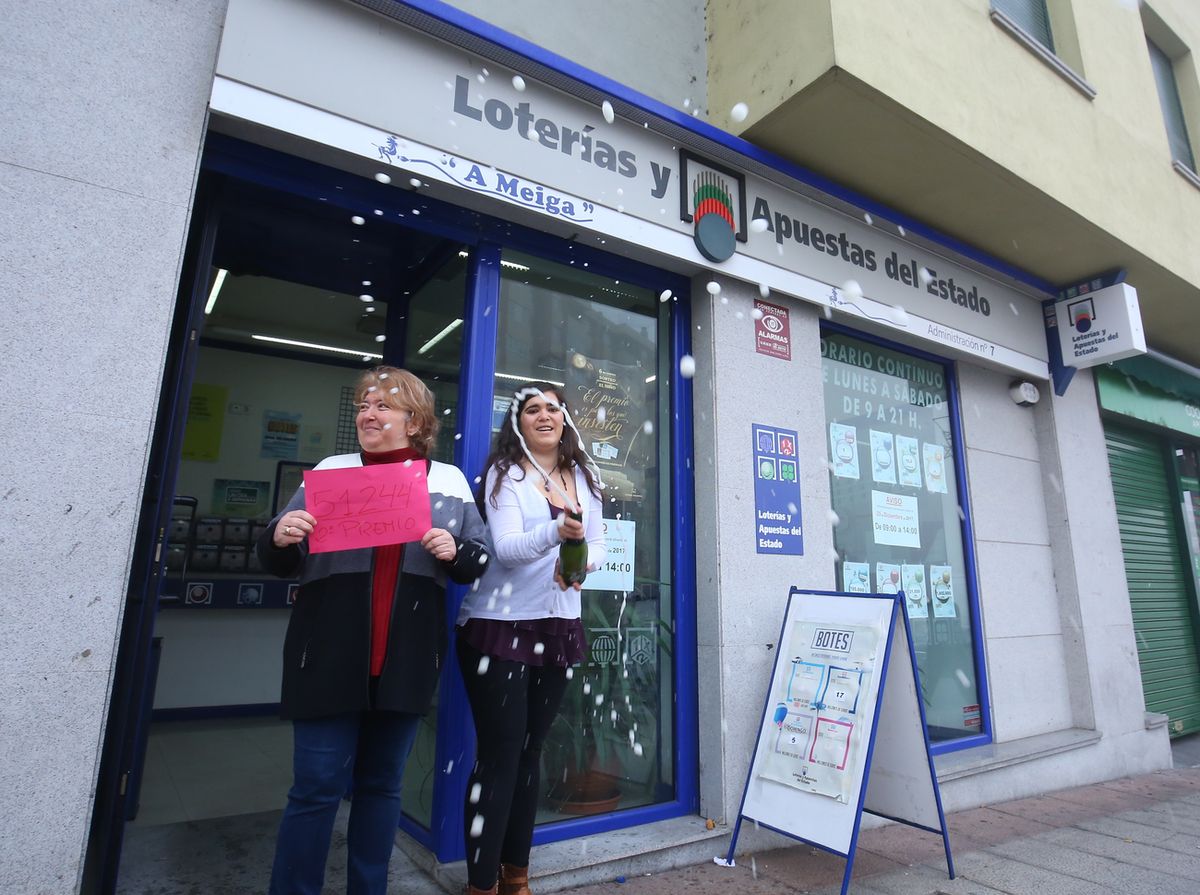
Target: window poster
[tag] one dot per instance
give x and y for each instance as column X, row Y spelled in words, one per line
column 280, row 435
column 815, row 730
column 856, row 577
column 912, row 580
column 609, row 404
column 896, row 495
column 843, row 448
column 941, row 584
column 887, row 578
column 883, row 458
column 896, row 519
column 205, row 422
column 935, row 468
column 908, row 466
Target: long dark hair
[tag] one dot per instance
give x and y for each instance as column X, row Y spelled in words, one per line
column 507, row 453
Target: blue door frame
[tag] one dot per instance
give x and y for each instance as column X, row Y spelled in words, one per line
column 486, row 236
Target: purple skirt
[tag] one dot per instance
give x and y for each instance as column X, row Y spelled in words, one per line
column 562, row 640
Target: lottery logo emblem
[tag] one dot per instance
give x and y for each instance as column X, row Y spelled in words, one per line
column 713, row 200
column 1082, row 313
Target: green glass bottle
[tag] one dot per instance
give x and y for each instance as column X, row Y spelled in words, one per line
column 573, row 555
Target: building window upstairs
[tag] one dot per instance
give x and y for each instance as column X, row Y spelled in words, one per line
column 1047, row 29
column 1172, row 107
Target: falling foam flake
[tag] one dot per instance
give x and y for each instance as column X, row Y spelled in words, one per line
column 759, row 225
column 739, row 112
column 383, row 178
column 476, row 826
column 665, row 295
column 763, row 291
column 834, row 519
column 381, row 338
column 476, row 792
column 358, row 220
column 757, row 314
column 365, row 297
column 539, row 648
column 713, row 287
column 900, row 315
column 414, row 183
column 606, row 110
column 924, row 276
column 484, row 662
column 687, row 366
column 852, row 290
column 518, row 83
column 648, row 427
column 962, row 677
column 601, row 414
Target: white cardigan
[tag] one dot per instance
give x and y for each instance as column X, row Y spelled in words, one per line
column 518, row 582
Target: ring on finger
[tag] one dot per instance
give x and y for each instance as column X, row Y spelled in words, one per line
column 287, row 530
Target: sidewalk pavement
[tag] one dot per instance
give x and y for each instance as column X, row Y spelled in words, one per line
column 1134, row 835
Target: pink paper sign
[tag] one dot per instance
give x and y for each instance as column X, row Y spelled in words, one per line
column 367, row 506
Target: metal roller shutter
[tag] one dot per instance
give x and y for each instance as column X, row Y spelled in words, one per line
column 1157, row 577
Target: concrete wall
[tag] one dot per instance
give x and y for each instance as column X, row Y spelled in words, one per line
column 656, row 48
column 104, row 116
column 740, row 594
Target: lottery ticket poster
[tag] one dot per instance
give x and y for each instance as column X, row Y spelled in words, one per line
column 844, row 679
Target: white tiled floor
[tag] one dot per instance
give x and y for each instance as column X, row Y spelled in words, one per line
column 203, row 769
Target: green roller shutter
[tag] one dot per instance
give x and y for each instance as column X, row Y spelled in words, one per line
column 1158, row 587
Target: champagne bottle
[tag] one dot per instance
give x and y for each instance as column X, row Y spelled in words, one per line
column 573, row 555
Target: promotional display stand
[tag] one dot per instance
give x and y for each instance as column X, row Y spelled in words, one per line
column 843, row 680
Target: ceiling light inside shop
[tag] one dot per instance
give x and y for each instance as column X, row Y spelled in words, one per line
column 528, row 379
column 315, row 347
column 222, row 273
column 449, row 328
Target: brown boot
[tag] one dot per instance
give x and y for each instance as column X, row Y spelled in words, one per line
column 471, row 890
column 514, row 880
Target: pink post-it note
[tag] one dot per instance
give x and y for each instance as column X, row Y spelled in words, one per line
column 367, row 506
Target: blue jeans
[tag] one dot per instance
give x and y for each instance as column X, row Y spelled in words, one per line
column 363, row 751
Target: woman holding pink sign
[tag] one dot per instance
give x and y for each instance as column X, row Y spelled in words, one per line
column 365, row 643
column 519, row 631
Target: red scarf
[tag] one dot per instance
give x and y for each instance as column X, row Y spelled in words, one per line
column 387, row 568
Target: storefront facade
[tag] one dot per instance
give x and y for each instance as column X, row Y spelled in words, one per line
column 785, row 384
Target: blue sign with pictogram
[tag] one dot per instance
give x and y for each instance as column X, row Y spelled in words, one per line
column 777, row 520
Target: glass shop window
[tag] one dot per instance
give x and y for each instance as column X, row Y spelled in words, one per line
column 604, row 342
column 895, row 490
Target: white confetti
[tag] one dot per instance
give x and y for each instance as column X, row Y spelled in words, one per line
column 759, row 225
column 476, row 792
column 518, row 83
column 852, row 290
column 900, row 315
column 763, row 290
column 757, row 314
column 962, row 677
column 687, row 366
column 371, row 388
column 570, row 673
column 637, row 749
column 713, row 287
column 539, row 648
column 867, row 217
column 393, row 390
column 387, row 426
column 601, row 414
column 358, row 219
column 924, row 276
column 383, row 178
column 665, row 295
column 739, row 112
column 834, row 519
column 414, row 183
column 484, row 662
column 365, row 297
column 606, row 110
column 381, row 338
column 476, row 826
column 648, row 427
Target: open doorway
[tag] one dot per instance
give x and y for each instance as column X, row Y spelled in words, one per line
column 302, row 293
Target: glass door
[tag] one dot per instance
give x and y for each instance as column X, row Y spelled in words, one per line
column 604, row 342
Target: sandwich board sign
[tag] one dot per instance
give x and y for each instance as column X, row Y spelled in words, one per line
column 845, row 677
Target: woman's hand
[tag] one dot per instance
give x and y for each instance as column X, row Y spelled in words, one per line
column 569, row 529
column 440, row 544
column 293, row 527
column 562, row 582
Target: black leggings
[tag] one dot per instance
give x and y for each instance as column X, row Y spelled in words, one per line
column 513, row 705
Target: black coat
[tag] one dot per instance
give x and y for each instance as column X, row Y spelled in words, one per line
column 327, row 650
